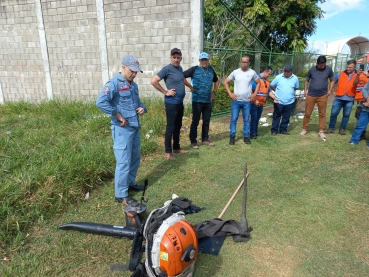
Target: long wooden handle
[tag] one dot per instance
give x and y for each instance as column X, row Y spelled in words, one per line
column 234, row 194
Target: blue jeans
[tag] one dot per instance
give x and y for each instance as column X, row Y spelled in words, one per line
column 360, row 127
column 336, row 108
column 236, row 107
column 255, row 114
column 284, row 112
column 200, row 109
column 127, row 154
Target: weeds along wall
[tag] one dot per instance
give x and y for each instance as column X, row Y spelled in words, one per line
column 68, row 49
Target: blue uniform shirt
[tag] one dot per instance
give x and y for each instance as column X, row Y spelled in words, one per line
column 120, row 96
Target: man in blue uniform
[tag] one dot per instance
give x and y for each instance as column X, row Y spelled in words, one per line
column 203, row 78
column 120, row 100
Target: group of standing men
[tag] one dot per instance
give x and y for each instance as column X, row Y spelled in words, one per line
column 351, row 85
column 119, row 98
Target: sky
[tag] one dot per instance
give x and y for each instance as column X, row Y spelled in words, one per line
column 342, row 19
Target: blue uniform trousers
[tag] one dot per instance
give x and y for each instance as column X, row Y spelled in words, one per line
column 127, row 154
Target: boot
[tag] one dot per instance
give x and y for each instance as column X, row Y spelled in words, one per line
column 231, row 140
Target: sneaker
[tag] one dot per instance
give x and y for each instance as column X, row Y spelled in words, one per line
column 231, row 140
column 342, row 132
column 180, row 151
column 274, row 133
column 350, row 143
column 125, row 200
column 246, row 140
column 169, row 156
column 194, row 146
column 208, row 143
column 303, row 133
column 329, row 131
column 254, row 136
column 321, row 135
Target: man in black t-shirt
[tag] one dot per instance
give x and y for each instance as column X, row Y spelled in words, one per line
column 317, row 92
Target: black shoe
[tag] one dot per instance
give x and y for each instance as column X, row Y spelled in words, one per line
column 274, row 134
column 246, row 140
column 285, row 133
column 136, row 188
column 259, row 135
column 231, row 140
column 254, row 136
column 125, row 200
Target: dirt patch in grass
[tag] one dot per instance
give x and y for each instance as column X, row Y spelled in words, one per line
column 275, row 262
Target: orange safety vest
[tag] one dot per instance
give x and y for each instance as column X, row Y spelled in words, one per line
column 346, row 85
column 263, row 93
column 359, row 89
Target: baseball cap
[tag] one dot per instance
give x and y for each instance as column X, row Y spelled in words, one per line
column 132, row 63
column 204, row 55
column 288, row 67
column 175, row 50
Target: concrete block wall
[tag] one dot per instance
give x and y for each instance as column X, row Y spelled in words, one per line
column 73, row 48
column 86, row 41
column 21, row 72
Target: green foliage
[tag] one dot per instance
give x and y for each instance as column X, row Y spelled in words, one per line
column 222, row 101
column 289, row 23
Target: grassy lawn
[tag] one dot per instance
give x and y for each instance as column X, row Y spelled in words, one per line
column 307, row 200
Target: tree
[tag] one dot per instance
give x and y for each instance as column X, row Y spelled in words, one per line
column 288, row 22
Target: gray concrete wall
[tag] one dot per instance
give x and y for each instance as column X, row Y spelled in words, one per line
column 68, row 49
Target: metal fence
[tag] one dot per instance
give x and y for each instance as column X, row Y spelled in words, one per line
column 227, row 38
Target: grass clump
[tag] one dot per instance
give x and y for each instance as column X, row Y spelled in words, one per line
column 52, row 153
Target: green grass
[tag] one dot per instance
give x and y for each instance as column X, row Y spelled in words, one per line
column 52, row 154
column 307, row 199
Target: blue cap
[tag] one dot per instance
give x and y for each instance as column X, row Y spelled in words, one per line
column 132, row 63
column 204, row 55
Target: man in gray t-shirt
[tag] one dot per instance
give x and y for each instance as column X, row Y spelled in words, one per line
column 317, row 92
column 172, row 74
column 242, row 79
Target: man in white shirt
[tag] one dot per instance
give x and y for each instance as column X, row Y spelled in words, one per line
column 241, row 97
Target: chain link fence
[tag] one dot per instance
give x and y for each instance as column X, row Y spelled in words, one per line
column 227, row 39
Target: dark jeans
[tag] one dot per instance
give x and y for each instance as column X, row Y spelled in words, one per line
column 199, row 109
column 283, row 111
column 174, row 113
column 255, row 114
